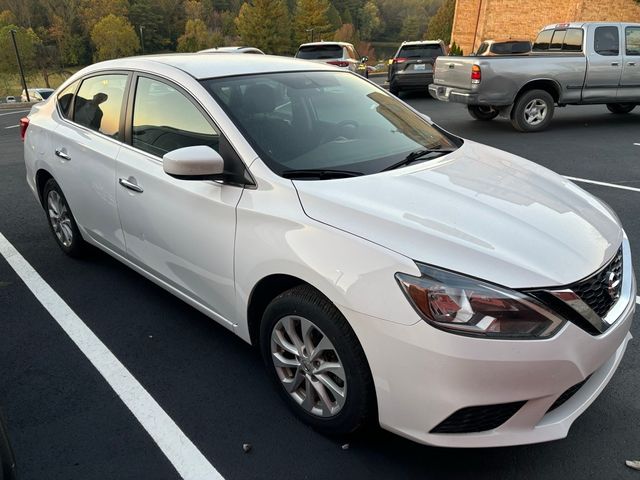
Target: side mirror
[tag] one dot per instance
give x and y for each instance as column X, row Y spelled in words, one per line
column 193, row 163
column 364, row 59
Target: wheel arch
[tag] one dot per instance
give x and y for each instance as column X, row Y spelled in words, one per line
column 546, row 84
column 42, row 176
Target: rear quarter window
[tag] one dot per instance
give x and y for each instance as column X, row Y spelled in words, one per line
column 542, row 42
column 65, row 98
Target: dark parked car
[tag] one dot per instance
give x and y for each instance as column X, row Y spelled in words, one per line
column 412, row 66
column 506, row 47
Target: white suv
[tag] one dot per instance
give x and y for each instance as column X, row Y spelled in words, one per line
column 339, row 54
column 386, row 269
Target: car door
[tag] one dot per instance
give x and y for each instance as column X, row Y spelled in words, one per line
column 180, row 231
column 85, row 146
column 604, row 64
column 629, row 90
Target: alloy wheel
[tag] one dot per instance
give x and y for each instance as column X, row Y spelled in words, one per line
column 60, row 218
column 535, row 112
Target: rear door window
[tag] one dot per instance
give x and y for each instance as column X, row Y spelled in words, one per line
column 632, row 41
column 319, row 52
column 164, row 119
column 98, row 105
column 607, row 41
column 65, row 100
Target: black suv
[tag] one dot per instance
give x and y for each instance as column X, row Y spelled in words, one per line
column 412, row 66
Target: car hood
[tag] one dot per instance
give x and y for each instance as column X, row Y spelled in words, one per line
column 479, row 211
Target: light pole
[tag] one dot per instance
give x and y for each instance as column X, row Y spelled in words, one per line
column 24, row 81
column 142, row 38
column 310, row 30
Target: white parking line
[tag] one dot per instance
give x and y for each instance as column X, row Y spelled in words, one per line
column 612, row 185
column 11, row 126
column 181, row 452
column 14, row 112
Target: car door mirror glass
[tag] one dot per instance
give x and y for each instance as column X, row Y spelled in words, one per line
column 364, row 59
column 193, row 163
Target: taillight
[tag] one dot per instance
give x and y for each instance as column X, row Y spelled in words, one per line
column 476, row 74
column 338, row 63
column 400, row 60
column 24, row 123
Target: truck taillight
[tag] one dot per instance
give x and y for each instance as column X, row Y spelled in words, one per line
column 476, row 74
column 24, row 123
column 338, row 63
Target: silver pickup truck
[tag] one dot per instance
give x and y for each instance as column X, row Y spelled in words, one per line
column 582, row 63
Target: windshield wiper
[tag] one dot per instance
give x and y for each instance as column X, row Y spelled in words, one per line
column 417, row 155
column 320, row 174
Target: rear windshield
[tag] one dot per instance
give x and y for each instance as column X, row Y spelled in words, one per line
column 317, row 52
column 420, row 51
column 505, row 48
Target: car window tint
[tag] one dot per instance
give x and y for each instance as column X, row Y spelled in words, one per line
column 317, row 52
column 632, row 40
column 420, row 51
column 557, row 39
column 483, row 48
column 607, row 41
column 164, row 120
column 98, row 104
column 543, row 41
column 64, row 100
column 573, row 40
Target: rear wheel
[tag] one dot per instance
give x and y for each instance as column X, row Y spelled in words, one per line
column 393, row 90
column 620, row 108
column 61, row 221
column 316, row 362
column 532, row 111
column 483, row 112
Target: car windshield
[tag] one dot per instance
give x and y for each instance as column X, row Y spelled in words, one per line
column 420, row 51
column 324, row 121
column 319, row 52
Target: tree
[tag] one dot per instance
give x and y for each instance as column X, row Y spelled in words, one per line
column 7, row 18
column 311, row 14
column 196, row 37
column 92, row 11
column 347, row 33
column 27, row 42
column 333, row 15
column 265, row 24
column 441, row 23
column 369, row 19
column 144, row 13
column 411, row 27
column 113, row 37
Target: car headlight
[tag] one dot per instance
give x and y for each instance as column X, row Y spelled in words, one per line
column 469, row 306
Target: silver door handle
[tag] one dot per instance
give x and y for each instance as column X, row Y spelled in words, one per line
column 632, row 64
column 131, row 185
column 614, row 64
column 63, row 155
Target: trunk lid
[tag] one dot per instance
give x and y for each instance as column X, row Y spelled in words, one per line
column 453, row 72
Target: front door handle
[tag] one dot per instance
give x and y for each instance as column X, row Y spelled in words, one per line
column 131, row 184
column 632, row 64
column 62, row 154
column 615, row 64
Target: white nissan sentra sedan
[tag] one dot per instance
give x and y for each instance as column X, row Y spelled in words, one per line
column 388, row 270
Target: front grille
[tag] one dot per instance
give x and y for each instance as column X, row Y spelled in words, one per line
column 570, row 392
column 478, row 419
column 595, row 292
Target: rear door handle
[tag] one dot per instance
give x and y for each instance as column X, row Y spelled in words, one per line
column 632, row 64
column 62, row 154
column 131, row 184
column 614, row 64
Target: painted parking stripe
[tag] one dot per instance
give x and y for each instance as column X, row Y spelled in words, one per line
column 14, row 112
column 181, row 452
column 594, row 182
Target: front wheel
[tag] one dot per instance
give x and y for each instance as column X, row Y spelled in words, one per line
column 483, row 113
column 620, row 108
column 532, row 111
column 316, row 362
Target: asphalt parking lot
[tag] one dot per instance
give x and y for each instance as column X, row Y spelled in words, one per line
column 66, row 422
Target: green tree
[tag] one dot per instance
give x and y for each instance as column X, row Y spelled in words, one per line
column 196, row 37
column 7, row 18
column 92, row 11
column 333, row 15
column 28, row 43
column 411, row 28
column 369, row 17
column 265, row 24
column 114, row 37
column 441, row 23
column 311, row 14
column 143, row 13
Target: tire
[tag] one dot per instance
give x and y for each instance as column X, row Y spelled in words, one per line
column 394, row 90
column 620, row 108
column 524, row 116
column 303, row 306
column 62, row 224
column 483, row 113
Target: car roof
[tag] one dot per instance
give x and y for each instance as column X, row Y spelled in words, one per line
column 553, row 26
column 202, row 66
column 313, row 44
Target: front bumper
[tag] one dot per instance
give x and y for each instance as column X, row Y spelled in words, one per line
column 423, row 376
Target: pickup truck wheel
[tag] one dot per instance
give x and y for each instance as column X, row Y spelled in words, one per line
column 482, row 112
column 619, row 108
column 532, row 111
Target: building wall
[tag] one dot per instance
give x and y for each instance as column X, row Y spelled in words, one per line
column 522, row 19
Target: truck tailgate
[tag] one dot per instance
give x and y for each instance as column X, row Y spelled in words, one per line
column 453, row 72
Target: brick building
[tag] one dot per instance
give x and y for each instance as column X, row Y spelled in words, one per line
column 477, row 20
